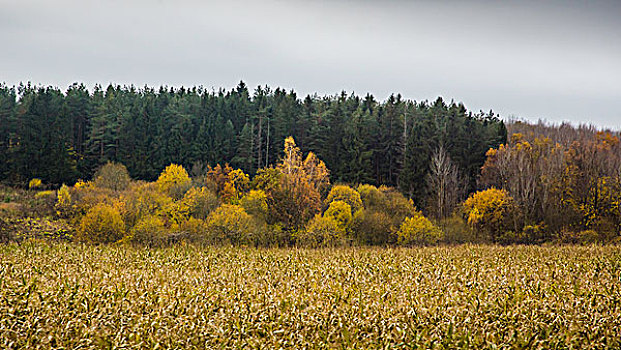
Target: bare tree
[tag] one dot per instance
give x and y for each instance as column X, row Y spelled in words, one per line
column 445, row 185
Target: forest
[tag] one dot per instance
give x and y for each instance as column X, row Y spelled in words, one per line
column 270, row 168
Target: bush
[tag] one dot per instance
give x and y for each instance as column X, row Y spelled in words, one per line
column 457, row 230
column 113, row 176
column 341, row 213
column 192, row 229
column 74, row 203
column 174, row 181
column 490, row 211
column 321, row 231
column 42, row 205
column 230, row 223
column 512, row 237
column 371, row 197
column 582, row 237
column 34, row 184
column 346, row 194
column 373, row 227
column 397, row 206
column 102, row 224
column 141, row 200
column 63, row 202
column 200, row 202
column 150, row 230
column 418, row 230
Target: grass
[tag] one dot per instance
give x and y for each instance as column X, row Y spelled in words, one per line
column 66, row 296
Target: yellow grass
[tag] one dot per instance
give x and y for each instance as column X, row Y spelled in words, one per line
column 69, row 296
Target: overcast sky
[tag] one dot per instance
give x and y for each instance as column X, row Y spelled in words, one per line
column 556, row 60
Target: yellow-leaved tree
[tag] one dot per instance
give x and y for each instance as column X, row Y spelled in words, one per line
column 174, row 181
column 491, row 212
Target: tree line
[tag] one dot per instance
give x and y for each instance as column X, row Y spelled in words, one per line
column 61, row 137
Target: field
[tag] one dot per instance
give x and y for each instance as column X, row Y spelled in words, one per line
column 61, row 295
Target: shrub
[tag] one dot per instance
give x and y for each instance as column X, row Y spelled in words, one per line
column 35, row 183
column 113, row 176
column 42, row 204
column 582, row 237
column 321, row 231
column 457, row 230
column 63, row 202
column 45, row 194
column 82, row 198
column 418, row 230
column 512, row 237
column 373, row 227
column 346, row 194
column 293, row 204
column 192, row 229
column 102, row 224
column 200, row 202
column 490, row 211
column 141, row 200
column 371, row 197
column 341, row 213
column 230, row 223
column 397, row 206
column 174, row 181
column 149, row 230
column 255, row 204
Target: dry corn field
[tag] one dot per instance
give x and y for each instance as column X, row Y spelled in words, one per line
column 69, row 296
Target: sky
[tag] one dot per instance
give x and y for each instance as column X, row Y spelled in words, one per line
column 557, row 60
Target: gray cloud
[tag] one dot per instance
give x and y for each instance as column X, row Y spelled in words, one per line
column 557, row 60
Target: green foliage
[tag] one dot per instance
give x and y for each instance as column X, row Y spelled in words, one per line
column 397, row 206
column 582, row 237
column 102, row 224
column 457, row 231
column 61, row 137
column 371, row 196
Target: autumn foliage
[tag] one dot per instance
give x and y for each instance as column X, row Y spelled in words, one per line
column 560, row 187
